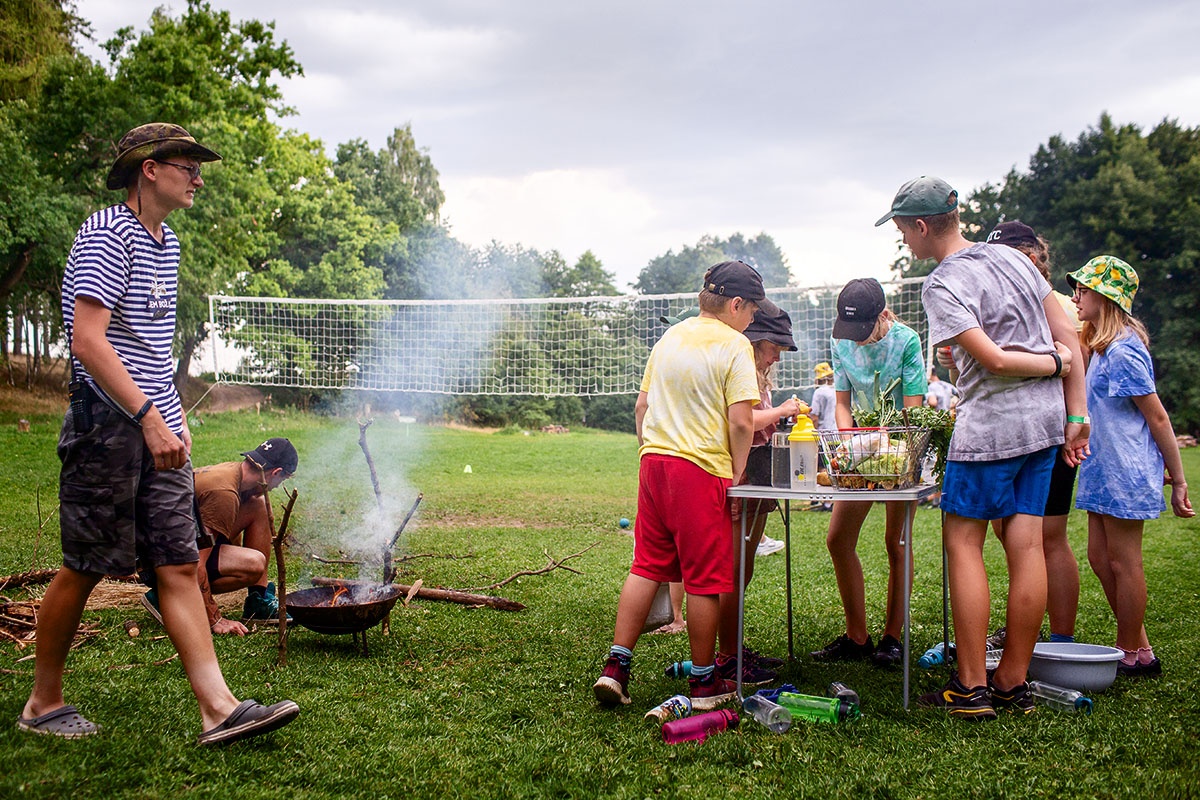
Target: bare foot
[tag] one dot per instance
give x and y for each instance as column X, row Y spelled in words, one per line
column 672, row 627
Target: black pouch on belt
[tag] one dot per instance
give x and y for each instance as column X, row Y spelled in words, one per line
column 81, row 405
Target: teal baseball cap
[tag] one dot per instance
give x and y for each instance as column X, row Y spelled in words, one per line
column 922, row 197
column 675, row 319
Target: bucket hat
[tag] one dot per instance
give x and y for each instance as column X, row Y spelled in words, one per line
column 154, row 140
column 738, row 279
column 822, row 370
column 775, row 328
column 859, row 306
column 922, row 197
column 275, row 453
column 1108, row 276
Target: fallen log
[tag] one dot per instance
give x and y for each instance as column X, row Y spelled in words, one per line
column 29, row 577
column 426, row 593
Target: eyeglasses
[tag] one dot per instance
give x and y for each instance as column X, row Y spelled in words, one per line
column 192, row 171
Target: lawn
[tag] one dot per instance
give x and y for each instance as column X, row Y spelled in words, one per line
column 473, row 702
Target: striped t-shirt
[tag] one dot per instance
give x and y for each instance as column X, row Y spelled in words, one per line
column 116, row 262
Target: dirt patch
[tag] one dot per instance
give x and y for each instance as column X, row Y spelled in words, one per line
column 221, row 397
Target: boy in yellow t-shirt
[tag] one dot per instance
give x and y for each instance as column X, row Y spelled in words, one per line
column 694, row 424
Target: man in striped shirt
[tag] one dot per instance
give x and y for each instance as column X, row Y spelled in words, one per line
column 125, row 490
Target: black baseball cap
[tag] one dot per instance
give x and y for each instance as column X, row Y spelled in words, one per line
column 738, row 279
column 859, row 306
column 275, row 453
column 1014, row 234
column 775, row 328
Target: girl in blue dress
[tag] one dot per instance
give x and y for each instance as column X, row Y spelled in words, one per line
column 1120, row 485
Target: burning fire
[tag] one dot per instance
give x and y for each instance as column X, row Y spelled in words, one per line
column 341, row 590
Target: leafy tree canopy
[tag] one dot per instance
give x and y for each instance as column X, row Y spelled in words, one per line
column 684, row 271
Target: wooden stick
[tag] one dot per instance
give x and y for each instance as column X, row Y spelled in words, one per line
column 277, row 540
column 362, row 442
column 28, row 577
column 448, row 595
column 551, row 566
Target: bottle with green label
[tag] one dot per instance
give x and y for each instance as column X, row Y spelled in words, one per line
column 819, row 709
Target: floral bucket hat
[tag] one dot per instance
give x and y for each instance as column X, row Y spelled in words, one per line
column 1110, row 277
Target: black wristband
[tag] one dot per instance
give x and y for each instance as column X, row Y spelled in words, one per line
column 1057, row 365
column 145, row 409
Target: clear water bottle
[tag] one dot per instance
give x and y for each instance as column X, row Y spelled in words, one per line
column 936, row 656
column 843, row 692
column 771, row 716
column 1059, row 698
column 699, row 727
column 819, row 709
column 676, row 707
column 680, row 669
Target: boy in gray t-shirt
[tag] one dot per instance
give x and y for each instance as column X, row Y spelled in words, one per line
column 1014, row 349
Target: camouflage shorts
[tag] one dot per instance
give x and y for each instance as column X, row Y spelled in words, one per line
column 117, row 513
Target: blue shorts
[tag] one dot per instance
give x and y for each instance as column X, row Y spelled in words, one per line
column 998, row 489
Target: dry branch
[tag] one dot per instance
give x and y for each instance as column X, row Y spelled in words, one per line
column 28, row 577
column 553, row 565
column 277, row 540
column 448, row 595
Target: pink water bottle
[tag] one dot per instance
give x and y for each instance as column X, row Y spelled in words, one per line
column 699, row 727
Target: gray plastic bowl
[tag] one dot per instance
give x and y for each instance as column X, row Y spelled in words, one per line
column 1072, row 665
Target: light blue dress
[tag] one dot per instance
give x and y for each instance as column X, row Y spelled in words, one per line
column 1123, row 477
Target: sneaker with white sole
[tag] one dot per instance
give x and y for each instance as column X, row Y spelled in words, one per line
column 767, row 546
column 612, row 688
column 710, row 691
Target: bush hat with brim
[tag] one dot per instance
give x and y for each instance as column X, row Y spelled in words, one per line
column 154, row 140
column 922, row 197
column 738, row 279
column 823, row 370
column 775, row 328
column 1108, row 276
column 859, row 305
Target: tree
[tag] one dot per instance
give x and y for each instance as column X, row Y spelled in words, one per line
column 32, row 34
column 1115, row 190
column 587, row 278
column 673, row 273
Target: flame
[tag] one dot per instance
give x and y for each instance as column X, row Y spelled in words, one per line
column 341, row 590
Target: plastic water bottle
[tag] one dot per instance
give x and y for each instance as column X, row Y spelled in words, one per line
column 680, row 669
column 699, row 727
column 676, row 707
column 819, row 709
column 1059, row 698
column 936, row 656
column 771, row 716
column 843, row 692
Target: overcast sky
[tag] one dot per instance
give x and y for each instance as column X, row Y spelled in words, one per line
column 633, row 127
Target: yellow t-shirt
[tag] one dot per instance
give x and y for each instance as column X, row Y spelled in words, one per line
column 698, row 369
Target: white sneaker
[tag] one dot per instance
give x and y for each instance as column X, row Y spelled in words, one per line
column 767, row 545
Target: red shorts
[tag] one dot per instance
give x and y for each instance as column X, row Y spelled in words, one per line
column 683, row 528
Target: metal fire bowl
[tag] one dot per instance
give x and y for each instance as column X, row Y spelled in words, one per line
column 368, row 604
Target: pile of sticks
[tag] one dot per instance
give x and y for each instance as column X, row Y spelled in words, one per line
column 18, row 623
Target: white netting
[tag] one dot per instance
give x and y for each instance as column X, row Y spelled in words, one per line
column 544, row 346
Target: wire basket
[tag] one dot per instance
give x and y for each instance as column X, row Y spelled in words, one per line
column 875, row 458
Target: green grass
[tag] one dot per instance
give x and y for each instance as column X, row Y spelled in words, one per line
column 462, row 702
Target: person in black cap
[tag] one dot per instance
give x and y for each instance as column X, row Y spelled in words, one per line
column 235, row 540
column 694, row 417
column 870, row 346
column 1019, row 361
column 126, row 495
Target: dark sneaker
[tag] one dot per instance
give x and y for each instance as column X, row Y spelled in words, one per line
column 759, row 660
column 710, row 691
column 612, row 689
column 752, row 675
column 1150, row 670
column 889, row 653
column 150, row 603
column 996, row 640
column 262, row 607
column 1018, row 698
column 843, row 648
column 959, row 701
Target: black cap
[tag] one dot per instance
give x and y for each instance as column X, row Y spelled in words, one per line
column 775, row 328
column 275, row 453
column 738, row 279
column 859, row 306
column 1014, row 234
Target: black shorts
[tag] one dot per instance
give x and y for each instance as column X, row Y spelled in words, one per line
column 116, row 512
column 1062, row 487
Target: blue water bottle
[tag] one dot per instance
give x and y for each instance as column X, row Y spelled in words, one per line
column 936, row 656
column 678, row 669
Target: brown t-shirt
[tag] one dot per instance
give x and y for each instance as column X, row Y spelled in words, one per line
column 219, row 499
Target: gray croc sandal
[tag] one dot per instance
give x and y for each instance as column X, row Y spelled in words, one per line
column 250, row 718
column 66, row 722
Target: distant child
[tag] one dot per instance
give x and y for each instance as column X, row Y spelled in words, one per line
column 824, row 400
column 695, row 420
column 1062, row 570
column 770, row 335
column 1120, row 486
column 1012, row 343
column 869, row 342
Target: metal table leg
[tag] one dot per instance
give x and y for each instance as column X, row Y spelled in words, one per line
column 787, row 566
column 906, row 534
column 741, row 593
